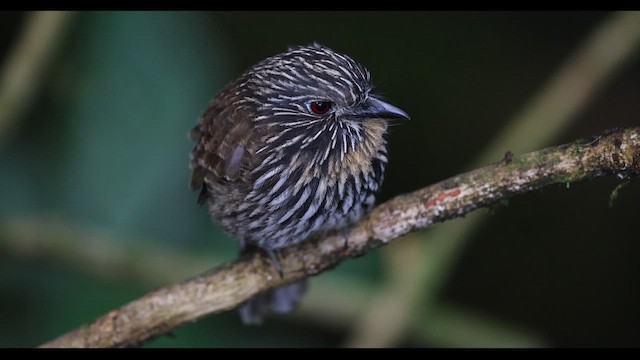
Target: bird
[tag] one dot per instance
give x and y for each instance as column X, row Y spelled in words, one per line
column 294, row 147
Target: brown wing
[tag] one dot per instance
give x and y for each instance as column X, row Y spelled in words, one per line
column 222, row 150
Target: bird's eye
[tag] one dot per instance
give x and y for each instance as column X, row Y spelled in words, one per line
column 320, row 107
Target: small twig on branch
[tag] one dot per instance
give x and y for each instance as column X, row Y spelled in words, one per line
column 230, row 284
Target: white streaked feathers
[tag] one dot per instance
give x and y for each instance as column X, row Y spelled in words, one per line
column 320, row 169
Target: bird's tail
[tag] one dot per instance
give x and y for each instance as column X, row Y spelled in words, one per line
column 280, row 300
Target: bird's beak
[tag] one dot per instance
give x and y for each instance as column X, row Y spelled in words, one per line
column 375, row 108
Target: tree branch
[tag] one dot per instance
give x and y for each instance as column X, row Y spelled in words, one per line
column 549, row 111
column 227, row 286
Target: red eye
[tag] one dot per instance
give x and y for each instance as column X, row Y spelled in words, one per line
column 320, row 107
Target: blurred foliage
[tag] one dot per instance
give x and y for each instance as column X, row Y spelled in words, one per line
column 104, row 146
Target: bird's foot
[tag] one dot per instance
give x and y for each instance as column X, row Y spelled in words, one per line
column 273, row 255
column 345, row 237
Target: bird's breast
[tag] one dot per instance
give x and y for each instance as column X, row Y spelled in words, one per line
column 305, row 192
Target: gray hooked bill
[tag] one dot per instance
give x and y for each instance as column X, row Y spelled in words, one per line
column 376, row 108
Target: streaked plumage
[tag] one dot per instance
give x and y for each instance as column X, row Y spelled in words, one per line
column 275, row 168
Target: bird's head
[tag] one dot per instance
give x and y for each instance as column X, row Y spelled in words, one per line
column 313, row 87
column 313, row 98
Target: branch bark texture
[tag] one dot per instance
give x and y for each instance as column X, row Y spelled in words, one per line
column 223, row 288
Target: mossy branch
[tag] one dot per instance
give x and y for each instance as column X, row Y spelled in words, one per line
column 227, row 286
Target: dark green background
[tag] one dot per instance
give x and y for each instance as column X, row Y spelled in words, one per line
column 105, row 147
